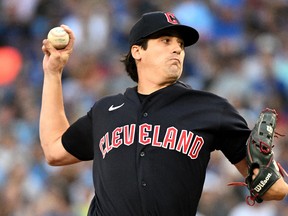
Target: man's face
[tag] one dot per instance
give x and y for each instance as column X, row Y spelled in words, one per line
column 162, row 61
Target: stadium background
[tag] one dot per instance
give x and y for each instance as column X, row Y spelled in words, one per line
column 242, row 55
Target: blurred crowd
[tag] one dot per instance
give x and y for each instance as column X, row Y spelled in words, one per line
column 242, row 55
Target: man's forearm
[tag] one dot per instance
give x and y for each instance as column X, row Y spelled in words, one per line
column 53, row 121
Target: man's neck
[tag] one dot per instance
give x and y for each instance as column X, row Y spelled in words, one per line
column 147, row 89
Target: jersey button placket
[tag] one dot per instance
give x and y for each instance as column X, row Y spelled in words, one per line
column 143, row 183
column 143, row 166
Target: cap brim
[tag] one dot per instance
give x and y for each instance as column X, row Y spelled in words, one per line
column 189, row 35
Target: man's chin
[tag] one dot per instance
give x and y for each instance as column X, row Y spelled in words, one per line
column 175, row 71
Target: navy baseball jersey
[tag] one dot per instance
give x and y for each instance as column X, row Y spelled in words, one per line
column 150, row 156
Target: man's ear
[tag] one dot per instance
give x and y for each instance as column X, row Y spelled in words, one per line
column 135, row 52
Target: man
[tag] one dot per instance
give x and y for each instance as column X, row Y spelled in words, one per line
column 151, row 145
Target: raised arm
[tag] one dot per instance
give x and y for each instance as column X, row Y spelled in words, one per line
column 53, row 120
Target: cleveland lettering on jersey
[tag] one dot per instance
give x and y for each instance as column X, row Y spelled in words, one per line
column 185, row 142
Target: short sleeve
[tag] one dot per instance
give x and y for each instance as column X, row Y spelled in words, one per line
column 233, row 135
column 78, row 139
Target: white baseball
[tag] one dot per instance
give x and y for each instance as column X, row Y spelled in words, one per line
column 58, row 37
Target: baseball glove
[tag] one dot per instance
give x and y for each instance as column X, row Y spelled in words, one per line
column 260, row 155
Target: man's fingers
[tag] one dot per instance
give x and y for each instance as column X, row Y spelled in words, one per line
column 255, row 173
column 44, row 47
column 47, row 47
column 71, row 36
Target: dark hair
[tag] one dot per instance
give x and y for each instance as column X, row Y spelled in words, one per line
column 129, row 61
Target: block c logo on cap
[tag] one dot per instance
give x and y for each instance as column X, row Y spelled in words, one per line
column 171, row 18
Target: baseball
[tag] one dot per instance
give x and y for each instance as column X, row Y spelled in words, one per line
column 58, row 37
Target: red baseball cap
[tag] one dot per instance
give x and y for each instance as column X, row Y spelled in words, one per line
column 153, row 22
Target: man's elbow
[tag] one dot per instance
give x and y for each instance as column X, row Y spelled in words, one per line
column 52, row 160
column 56, row 155
column 52, row 155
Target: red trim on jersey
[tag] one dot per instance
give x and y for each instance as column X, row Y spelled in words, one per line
column 170, row 138
column 184, row 141
column 156, row 133
column 196, row 147
column 129, row 134
column 144, row 130
column 116, row 139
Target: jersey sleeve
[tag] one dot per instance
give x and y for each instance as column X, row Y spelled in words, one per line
column 233, row 134
column 77, row 139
